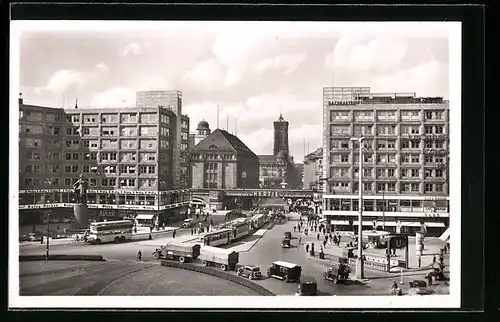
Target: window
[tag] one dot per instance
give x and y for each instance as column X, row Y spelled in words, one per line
column 110, row 169
column 344, row 158
column 391, row 186
column 390, row 172
column 404, row 172
column 438, row 129
column 164, row 118
column 428, row 187
column 414, row 187
column 415, row 173
column 106, row 131
column 428, row 173
column 164, row 144
column 428, row 129
column 127, row 183
column 86, row 131
column 166, row 132
column 367, row 172
column 367, row 186
column 428, row 144
column 439, row 173
column 368, row 158
column 86, row 168
column 438, row 187
column 108, row 182
column 67, row 181
column 405, row 158
column 380, row 187
column 129, row 118
column 439, row 144
column 415, row 158
column 405, row 187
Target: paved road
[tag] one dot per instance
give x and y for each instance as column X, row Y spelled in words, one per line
column 120, row 278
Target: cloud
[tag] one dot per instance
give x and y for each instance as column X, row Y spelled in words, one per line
column 115, row 97
column 132, row 49
column 429, row 78
column 152, row 83
column 360, row 53
column 288, row 62
column 233, row 76
column 208, row 74
column 102, row 67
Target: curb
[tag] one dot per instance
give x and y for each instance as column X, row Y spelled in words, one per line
column 26, row 258
column 220, row 274
column 257, row 240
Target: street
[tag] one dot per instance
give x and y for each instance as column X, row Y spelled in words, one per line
column 261, row 249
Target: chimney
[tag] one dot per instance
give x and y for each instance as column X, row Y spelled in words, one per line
column 20, row 98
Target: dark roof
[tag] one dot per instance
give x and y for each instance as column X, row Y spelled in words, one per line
column 203, row 125
column 224, row 141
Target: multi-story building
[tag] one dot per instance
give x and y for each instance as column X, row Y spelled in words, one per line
column 127, row 156
column 405, row 161
column 313, row 170
column 172, row 100
column 278, row 170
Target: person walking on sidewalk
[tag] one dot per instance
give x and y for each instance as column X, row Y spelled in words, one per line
column 433, row 259
column 419, row 261
column 317, row 236
column 307, row 248
column 324, row 243
column 173, row 234
column 300, row 240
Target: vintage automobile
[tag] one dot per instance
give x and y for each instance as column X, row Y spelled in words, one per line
column 288, row 235
column 286, row 243
column 307, row 287
column 250, row 272
column 285, row 271
column 418, row 287
column 337, row 273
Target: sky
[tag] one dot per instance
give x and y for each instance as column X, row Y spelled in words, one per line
column 253, row 70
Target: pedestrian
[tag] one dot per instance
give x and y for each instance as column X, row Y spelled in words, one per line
column 429, row 278
column 394, row 252
column 300, row 240
column 173, row 234
column 294, row 228
column 211, row 222
column 324, row 243
column 335, row 239
column 139, row 255
column 419, row 261
column 448, row 246
column 307, row 248
column 441, row 260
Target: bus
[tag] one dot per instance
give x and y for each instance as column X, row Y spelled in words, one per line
column 107, row 231
column 217, row 238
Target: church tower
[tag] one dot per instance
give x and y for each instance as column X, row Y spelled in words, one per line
column 280, row 136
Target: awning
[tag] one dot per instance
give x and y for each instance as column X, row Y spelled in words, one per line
column 446, row 235
column 144, row 216
column 435, row 224
column 365, row 223
column 274, row 202
column 339, row 222
column 411, row 224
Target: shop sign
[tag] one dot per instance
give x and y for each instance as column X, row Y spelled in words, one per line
column 435, row 198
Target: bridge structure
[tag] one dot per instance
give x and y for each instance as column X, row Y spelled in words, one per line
column 221, row 199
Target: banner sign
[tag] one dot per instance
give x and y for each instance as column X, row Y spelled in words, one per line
column 121, row 192
column 103, row 206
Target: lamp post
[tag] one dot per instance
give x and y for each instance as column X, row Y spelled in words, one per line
column 359, row 261
column 48, row 228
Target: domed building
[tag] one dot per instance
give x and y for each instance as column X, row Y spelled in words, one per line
column 202, row 131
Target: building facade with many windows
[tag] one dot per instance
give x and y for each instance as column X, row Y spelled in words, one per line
column 127, row 156
column 405, row 161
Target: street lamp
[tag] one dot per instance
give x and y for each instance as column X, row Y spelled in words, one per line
column 359, row 261
column 48, row 228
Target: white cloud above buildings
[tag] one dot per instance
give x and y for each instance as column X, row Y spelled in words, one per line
column 253, row 71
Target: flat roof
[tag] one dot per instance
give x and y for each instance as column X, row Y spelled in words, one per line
column 286, row 264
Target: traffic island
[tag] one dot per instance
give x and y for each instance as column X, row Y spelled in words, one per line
column 26, row 258
column 220, row 274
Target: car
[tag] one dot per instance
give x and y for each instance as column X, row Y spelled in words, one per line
column 288, row 235
column 418, row 287
column 307, row 287
column 250, row 272
column 34, row 237
column 337, row 273
column 288, row 272
column 286, row 243
column 187, row 223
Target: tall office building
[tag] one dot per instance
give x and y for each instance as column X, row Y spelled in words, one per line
column 127, row 155
column 280, row 136
column 172, row 100
column 405, row 160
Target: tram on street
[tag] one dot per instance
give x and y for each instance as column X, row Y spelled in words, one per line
column 110, row 231
column 217, row 238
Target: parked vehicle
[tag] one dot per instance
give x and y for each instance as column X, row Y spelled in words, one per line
column 288, row 235
column 174, row 251
column 251, row 272
column 339, row 272
column 188, row 223
column 285, row 271
column 225, row 258
column 307, row 287
column 286, row 243
column 418, row 287
column 34, row 237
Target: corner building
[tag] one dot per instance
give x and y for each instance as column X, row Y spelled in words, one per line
column 127, row 155
column 405, row 161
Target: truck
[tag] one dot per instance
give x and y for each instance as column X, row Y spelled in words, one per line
column 175, row 251
column 225, row 258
